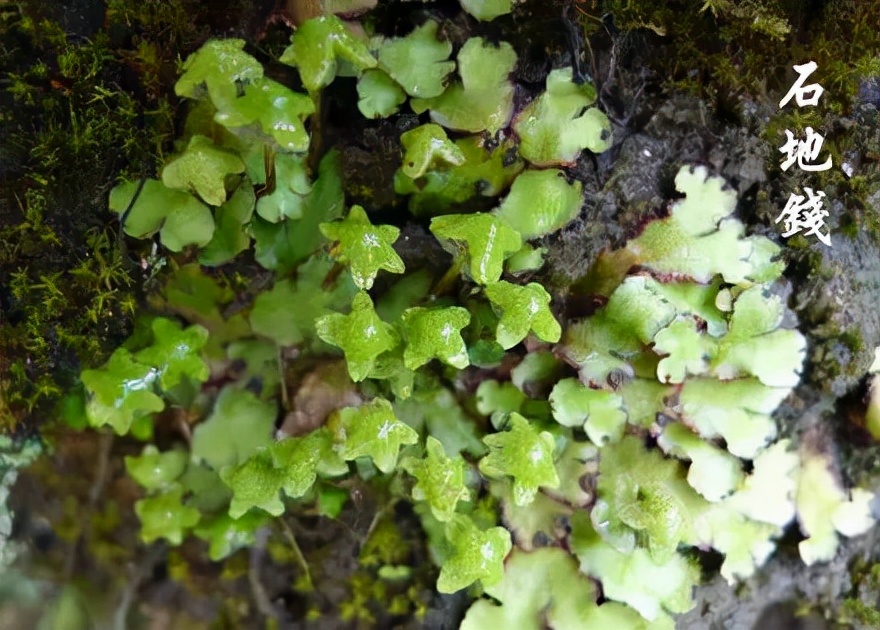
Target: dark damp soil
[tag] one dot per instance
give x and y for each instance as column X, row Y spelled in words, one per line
column 681, row 85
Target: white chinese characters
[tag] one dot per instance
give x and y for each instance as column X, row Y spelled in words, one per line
column 800, row 214
column 804, row 213
column 799, row 91
column 804, row 151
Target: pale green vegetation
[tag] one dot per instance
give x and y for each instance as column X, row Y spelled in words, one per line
column 693, row 337
column 547, row 460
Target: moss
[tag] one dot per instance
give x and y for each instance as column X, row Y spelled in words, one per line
column 854, row 611
column 386, row 545
column 721, row 48
column 57, row 315
column 77, row 117
column 78, row 113
column 852, row 339
column 704, row 62
column 862, row 608
column 848, row 227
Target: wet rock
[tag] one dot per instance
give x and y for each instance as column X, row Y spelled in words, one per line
column 320, row 392
column 869, row 91
column 741, row 158
column 370, row 158
column 419, row 249
column 838, row 304
column 762, row 602
column 640, row 170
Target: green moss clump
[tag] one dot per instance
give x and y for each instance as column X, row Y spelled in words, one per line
column 77, row 111
column 854, row 610
column 862, row 608
column 724, row 48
